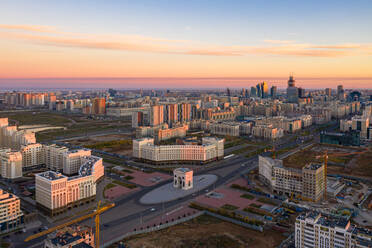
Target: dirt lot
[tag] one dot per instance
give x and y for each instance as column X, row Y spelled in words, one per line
column 206, row 231
column 345, row 163
column 110, row 143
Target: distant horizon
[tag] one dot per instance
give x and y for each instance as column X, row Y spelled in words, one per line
column 180, row 82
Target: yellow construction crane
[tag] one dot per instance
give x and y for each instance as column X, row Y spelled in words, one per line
column 95, row 214
column 271, row 150
column 326, row 162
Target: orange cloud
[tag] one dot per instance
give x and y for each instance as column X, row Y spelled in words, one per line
column 52, row 37
column 279, row 41
column 32, row 28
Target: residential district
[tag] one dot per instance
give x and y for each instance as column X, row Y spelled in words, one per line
column 257, row 167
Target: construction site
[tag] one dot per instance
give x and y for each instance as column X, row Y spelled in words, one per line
column 339, row 184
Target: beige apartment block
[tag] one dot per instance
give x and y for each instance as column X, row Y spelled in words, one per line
column 11, row 164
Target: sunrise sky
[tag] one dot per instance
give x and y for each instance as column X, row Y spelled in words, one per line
column 239, row 41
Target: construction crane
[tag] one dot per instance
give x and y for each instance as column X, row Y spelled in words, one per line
column 325, row 155
column 271, row 150
column 95, row 214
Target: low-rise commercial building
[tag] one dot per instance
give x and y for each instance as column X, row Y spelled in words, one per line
column 211, row 149
column 344, row 139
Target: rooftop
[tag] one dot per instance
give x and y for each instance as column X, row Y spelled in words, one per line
column 51, row 175
column 313, row 166
column 183, row 170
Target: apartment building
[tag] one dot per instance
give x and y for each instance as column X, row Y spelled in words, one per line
column 11, row 164
column 147, row 131
column 33, row 155
column 289, row 125
column 11, row 216
column 99, row 106
column 171, row 113
column 211, row 149
column 357, row 123
column 169, row 133
column 73, row 159
column 306, row 183
column 222, row 115
column 230, row 128
column 312, row 229
column 56, row 193
column 13, row 138
column 72, row 237
column 157, row 115
column 266, row 131
column 54, row 156
column 126, row 112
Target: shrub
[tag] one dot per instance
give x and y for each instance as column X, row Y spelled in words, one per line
column 247, row 196
column 229, row 207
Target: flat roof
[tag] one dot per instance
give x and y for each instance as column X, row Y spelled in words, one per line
column 51, row 175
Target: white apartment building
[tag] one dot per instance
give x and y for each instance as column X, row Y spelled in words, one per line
column 54, row 156
column 287, row 124
column 230, row 128
column 313, row 229
column 169, row 133
column 13, row 138
column 267, row 132
column 33, row 155
column 55, row 192
column 211, row 149
column 11, row 216
column 357, row 123
column 126, row 112
column 307, row 120
column 11, row 164
column 72, row 160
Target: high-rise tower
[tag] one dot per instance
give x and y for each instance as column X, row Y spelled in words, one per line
column 292, row 91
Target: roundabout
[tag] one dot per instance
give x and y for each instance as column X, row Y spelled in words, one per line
column 167, row 192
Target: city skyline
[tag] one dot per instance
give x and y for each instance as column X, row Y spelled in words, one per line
column 178, row 83
column 185, row 40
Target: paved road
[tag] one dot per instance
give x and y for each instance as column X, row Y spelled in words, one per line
column 128, row 211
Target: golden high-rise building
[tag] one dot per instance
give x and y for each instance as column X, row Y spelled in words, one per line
column 99, row 106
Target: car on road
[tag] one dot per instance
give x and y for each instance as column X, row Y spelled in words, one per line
column 152, row 209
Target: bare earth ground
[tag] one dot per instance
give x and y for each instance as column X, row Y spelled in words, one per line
column 354, row 164
column 120, row 149
column 206, row 232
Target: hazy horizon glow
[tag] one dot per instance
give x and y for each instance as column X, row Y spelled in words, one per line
column 162, row 40
column 180, row 83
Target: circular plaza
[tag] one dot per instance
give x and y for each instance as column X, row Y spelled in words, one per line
column 168, row 192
